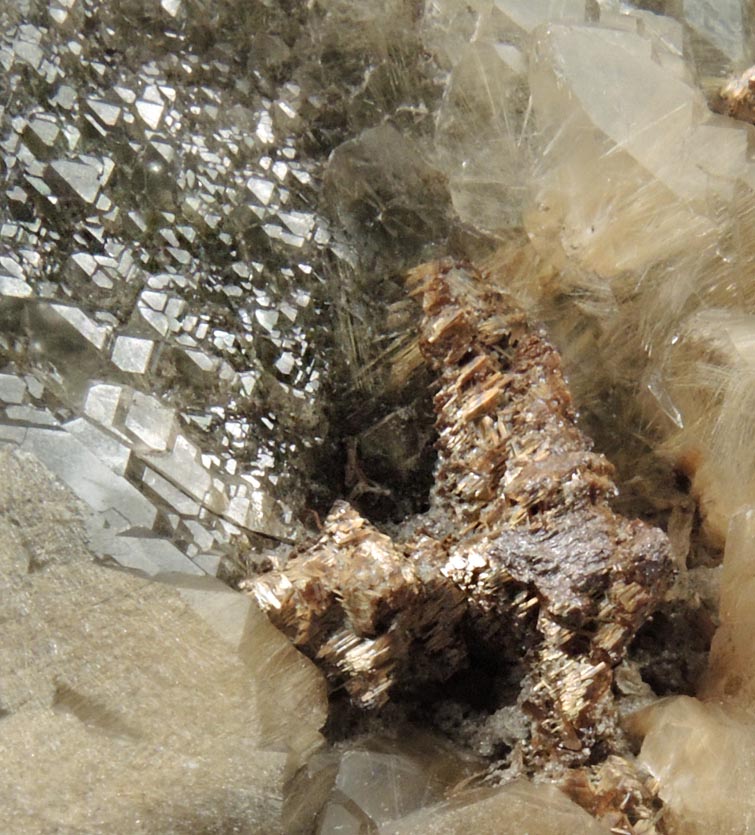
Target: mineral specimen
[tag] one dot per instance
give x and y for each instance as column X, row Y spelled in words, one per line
column 380, row 778
column 520, row 556
column 702, row 756
column 709, row 743
column 516, row 808
column 200, row 230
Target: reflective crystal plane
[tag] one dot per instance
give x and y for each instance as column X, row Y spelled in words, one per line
column 147, row 701
column 131, row 255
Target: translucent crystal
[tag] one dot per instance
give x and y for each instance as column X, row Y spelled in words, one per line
column 381, row 778
column 516, row 808
column 653, row 139
column 483, row 129
column 480, row 130
column 131, row 693
column 200, row 238
column 386, row 194
column 703, row 756
column 448, row 26
column 721, row 25
column 514, row 21
column 732, row 653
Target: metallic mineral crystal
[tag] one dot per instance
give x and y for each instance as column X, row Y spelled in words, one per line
column 519, row 553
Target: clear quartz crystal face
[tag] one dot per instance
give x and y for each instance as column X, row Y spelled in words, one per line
column 160, row 269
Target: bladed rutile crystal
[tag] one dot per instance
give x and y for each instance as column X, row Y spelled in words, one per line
column 519, row 554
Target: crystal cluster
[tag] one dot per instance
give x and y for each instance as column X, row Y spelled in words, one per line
column 519, row 557
column 125, row 700
column 651, row 261
column 710, row 743
column 203, row 211
column 157, row 281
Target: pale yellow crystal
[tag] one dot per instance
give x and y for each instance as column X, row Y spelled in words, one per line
column 634, row 167
column 732, row 657
column 703, row 752
column 709, row 377
column 480, row 128
column 482, row 139
column 703, row 756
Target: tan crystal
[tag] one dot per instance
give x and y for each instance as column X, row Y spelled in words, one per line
column 732, row 656
column 708, row 377
column 512, row 810
column 702, row 753
column 665, row 156
column 132, row 705
column 703, row 757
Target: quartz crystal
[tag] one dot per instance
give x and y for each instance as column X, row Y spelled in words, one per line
column 157, row 706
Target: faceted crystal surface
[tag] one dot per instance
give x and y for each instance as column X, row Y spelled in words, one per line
column 157, row 706
column 702, row 755
column 516, row 808
column 205, row 211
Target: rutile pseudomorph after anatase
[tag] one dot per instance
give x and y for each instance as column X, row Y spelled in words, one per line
column 519, row 559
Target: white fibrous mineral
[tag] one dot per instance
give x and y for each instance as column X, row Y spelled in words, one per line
column 597, row 137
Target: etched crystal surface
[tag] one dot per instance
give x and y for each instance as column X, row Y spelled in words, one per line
column 123, row 699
